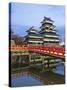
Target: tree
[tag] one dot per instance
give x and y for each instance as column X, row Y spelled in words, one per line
column 19, row 40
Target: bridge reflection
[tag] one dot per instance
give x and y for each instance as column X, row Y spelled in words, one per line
column 44, row 77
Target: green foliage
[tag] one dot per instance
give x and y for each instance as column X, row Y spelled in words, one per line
column 23, row 51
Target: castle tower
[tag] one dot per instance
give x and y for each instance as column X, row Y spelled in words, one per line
column 50, row 36
column 33, row 37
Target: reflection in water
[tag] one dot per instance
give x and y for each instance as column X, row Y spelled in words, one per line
column 59, row 69
column 25, row 80
column 32, row 77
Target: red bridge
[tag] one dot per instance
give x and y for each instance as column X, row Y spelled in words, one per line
column 56, row 51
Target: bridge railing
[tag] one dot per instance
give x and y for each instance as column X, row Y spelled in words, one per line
column 51, row 50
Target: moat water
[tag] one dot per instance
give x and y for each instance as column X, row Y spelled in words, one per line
column 35, row 78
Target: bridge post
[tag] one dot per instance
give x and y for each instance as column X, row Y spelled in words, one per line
column 42, row 58
column 48, row 65
column 13, row 59
column 18, row 60
column 29, row 57
column 43, row 63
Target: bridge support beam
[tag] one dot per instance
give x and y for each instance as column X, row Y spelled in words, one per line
column 47, row 63
column 42, row 58
column 13, row 59
column 29, row 57
column 20, row 59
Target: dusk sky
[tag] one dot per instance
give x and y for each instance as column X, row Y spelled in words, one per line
column 26, row 15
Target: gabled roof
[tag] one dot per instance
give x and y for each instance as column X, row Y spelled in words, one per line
column 47, row 18
column 31, row 29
